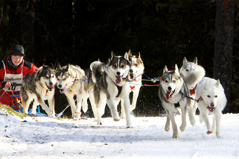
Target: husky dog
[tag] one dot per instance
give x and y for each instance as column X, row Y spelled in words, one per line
column 111, row 86
column 211, row 101
column 70, row 81
column 192, row 73
column 172, row 92
column 39, row 86
column 135, row 77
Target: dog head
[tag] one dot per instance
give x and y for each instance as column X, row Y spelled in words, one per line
column 117, row 68
column 46, row 76
column 171, row 82
column 64, row 77
column 136, row 66
column 211, row 94
column 192, row 72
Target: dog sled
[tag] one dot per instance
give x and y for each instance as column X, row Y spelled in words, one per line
column 14, row 100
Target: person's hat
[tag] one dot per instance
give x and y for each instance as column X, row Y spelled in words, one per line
column 17, row 50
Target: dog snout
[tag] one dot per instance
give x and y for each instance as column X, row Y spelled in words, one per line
column 169, row 88
column 212, row 104
column 59, row 86
column 118, row 73
column 131, row 71
column 51, row 83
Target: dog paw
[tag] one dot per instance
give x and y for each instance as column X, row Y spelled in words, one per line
column 175, row 136
column 167, row 129
column 116, row 119
column 182, row 128
column 209, row 132
column 192, row 122
column 129, row 127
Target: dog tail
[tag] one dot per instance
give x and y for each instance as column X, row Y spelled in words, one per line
column 97, row 68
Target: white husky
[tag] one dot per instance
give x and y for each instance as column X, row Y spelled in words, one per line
column 192, row 73
column 212, row 101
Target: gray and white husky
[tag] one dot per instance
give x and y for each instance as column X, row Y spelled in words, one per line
column 111, row 87
column 212, row 101
column 135, row 77
column 192, row 73
column 39, row 86
column 70, row 81
column 172, row 92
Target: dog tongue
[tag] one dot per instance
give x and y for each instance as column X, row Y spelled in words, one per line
column 118, row 79
column 168, row 94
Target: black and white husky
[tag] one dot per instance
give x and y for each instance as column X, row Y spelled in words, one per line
column 172, row 92
column 70, row 81
column 111, row 87
column 39, row 86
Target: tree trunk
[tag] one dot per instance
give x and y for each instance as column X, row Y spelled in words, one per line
column 224, row 46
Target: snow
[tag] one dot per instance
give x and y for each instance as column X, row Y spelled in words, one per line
column 44, row 137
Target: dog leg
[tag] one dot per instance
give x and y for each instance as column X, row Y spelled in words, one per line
column 92, row 102
column 25, row 105
column 206, row 120
column 84, row 102
column 45, row 107
column 217, row 122
column 112, row 103
column 70, row 99
column 122, row 115
column 174, row 125
column 100, row 107
column 135, row 97
column 183, row 116
column 127, row 112
column 167, row 124
column 78, row 106
column 52, row 106
column 191, row 112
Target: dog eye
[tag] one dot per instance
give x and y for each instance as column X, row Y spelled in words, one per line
column 122, row 66
column 187, row 70
column 166, row 81
column 215, row 96
column 208, row 96
column 136, row 65
column 174, row 81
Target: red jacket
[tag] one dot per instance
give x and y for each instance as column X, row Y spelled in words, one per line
column 28, row 68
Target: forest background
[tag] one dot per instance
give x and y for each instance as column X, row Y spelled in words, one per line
column 163, row 31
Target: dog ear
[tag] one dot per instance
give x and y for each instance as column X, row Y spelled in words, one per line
column 58, row 66
column 195, row 60
column 129, row 53
column 126, row 56
column 112, row 55
column 38, row 71
column 218, row 83
column 165, row 69
column 176, row 69
column 139, row 56
column 206, row 84
column 185, row 60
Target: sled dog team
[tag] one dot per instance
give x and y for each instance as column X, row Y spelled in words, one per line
column 181, row 90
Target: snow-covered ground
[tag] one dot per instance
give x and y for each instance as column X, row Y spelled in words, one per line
column 43, row 137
